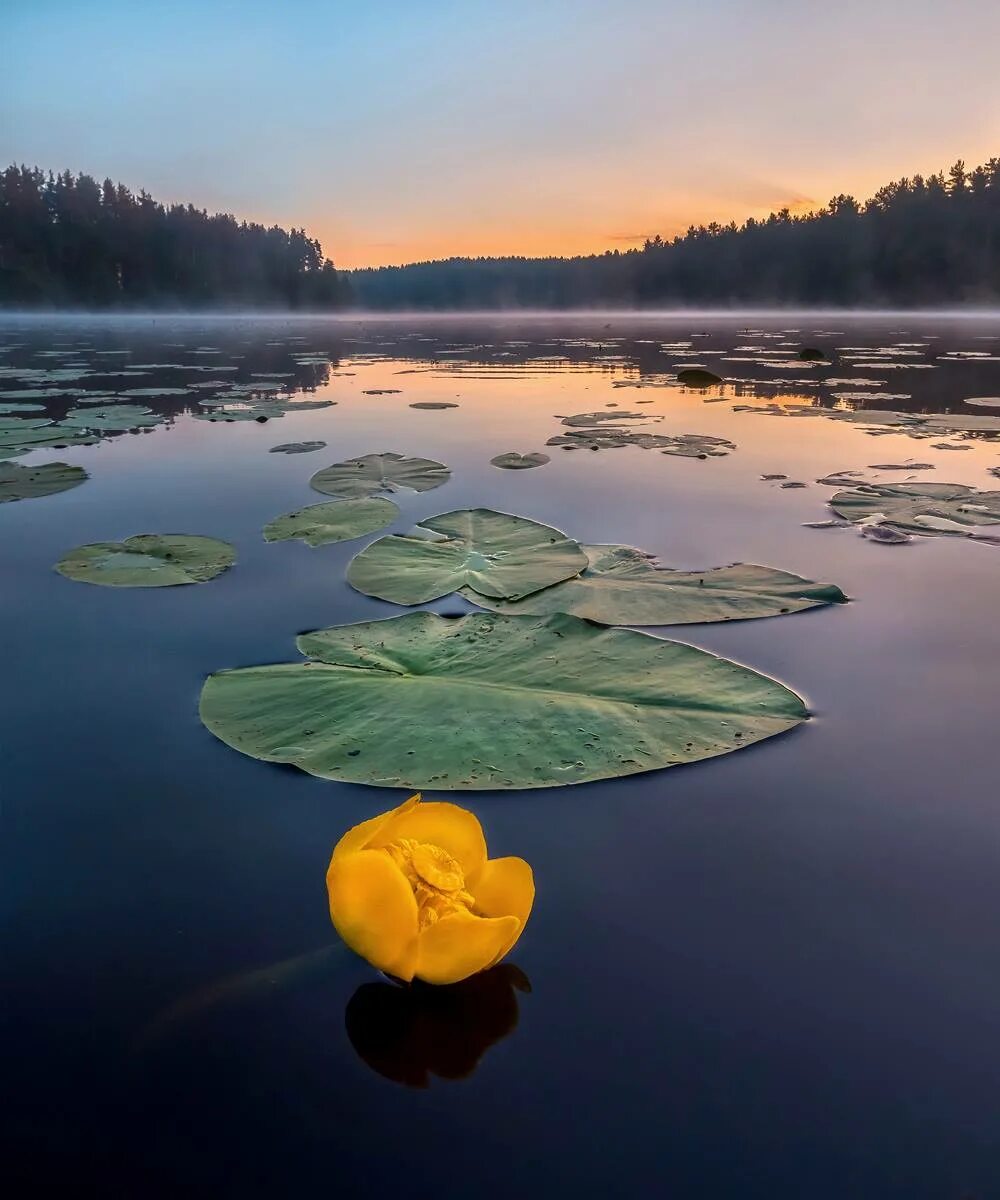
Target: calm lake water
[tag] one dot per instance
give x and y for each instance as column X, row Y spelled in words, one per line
column 772, row 974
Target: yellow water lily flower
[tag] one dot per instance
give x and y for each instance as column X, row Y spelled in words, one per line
column 413, row 892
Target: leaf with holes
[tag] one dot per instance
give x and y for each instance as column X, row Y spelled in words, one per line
column 488, row 702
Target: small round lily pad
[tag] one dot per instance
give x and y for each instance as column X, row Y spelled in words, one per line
column 370, row 474
column 433, row 404
column 149, row 560
column 334, row 521
column 512, row 461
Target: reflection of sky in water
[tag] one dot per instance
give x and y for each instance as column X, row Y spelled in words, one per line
column 769, row 974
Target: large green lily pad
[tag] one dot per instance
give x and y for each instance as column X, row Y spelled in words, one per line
column 334, row 521
column 621, row 586
column 373, row 473
column 922, row 508
column 18, row 435
column 488, row 702
column 29, row 483
column 149, row 560
column 493, row 553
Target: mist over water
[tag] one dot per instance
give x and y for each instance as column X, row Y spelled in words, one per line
column 768, row 974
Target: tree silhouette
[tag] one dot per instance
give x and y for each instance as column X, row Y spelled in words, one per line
column 67, row 241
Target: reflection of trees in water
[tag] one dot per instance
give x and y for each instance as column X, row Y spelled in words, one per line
column 410, row 1033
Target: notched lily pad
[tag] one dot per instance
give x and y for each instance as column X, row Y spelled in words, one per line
column 373, row 473
column 622, row 586
column 29, row 483
column 148, row 560
column 493, row 553
column 333, row 521
column 513, row 461
column 492, row 702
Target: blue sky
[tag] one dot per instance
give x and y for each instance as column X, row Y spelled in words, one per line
column 398, row 131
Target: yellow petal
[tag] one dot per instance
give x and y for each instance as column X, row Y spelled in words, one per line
column 359, row 837
column 373, row 909
column 505, row 887
column 460, row 944
column 446, row 825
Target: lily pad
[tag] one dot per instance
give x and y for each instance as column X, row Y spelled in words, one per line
column 698, row 377
column 582, row 420
column 434, row 404
column 18, row 435
column 492, row 702
column 512, row 461
column 921, row 508
column 984, row 401
column 297, row 447
column 110, row 418
column 29, row 483
column 333, row 521
column 149, row 560
column 493, row 553
column 621, row 586
column 373, row 473
column 16, row 406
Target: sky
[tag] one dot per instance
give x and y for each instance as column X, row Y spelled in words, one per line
column 402, row 130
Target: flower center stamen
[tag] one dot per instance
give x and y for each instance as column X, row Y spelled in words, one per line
column 436, row 877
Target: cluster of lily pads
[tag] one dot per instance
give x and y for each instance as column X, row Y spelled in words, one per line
column 541, row 691
column 606, row 431
column 892, row 514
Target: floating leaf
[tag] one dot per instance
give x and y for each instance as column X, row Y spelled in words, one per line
column 580, row 420
column 621, row 586
column 373, row 473
column 333, row 521
column 18, row 435
column 16, row 406
column 149, row 560
column 493, row 553
column 923, row 508
column 885, row 535
column 492, row 702
column 29, row 483
column 512, row 461
column 698, row 377
column 434, row 404
column 984, row 401
column 112, row 418
column 687, row 445
column 297, row 447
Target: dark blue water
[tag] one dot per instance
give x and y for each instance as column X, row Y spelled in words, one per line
column 772, row 974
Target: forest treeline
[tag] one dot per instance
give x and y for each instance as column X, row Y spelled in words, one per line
column 922, row 241
column 67, row 241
